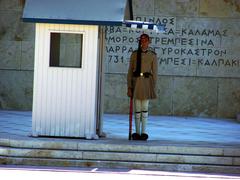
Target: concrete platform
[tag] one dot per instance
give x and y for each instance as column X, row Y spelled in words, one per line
column 161, row 129
column 175, row 144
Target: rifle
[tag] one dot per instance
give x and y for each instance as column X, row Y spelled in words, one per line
column 130, row 118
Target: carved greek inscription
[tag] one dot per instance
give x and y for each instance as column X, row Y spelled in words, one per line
column 177, row 47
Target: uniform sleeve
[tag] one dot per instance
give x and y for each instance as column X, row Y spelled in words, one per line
column 130, row 72
column 155, row 70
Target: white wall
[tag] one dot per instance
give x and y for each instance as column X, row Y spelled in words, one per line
column 64, row 99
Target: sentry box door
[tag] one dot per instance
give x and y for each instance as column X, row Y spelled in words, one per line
column 65, row 80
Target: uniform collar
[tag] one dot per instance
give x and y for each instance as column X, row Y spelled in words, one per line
column 145, row 51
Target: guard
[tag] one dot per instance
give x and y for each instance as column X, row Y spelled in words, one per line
column 141, row 82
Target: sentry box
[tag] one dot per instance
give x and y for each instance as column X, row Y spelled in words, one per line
column 68, row 69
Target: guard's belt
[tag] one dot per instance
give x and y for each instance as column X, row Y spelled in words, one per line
column 146, row 74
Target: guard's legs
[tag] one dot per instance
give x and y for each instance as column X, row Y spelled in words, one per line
column 144, row 121
column 141, row 118
column 137, row 115
column 144, row 111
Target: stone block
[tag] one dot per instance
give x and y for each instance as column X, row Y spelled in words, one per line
column 27, row 58
column 48, row 154
column 117, row 63
column 228, row 97
column 9, row 25
column 41, row 162
column 12, row 28
column 220, row 58
column 219, row 8
column 25, row 32
column 175, row 65
column 119, row 156
column 143, row 7
column 4, row 141
column 195, row 150
column 21, row 143
column 10, row 55
column 55, row 145
column 210, row 41
column 163, row 103
column 116, row 100
column 216, row 169
column 104, row 146
column 16, row 5
column 31, row 153
column 176, row 7
column 194, row 159
column 195, row 96
column 16, row 89
column 236, row 161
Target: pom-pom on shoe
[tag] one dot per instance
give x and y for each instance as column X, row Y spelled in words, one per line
column 136, row 136
column 144, row 136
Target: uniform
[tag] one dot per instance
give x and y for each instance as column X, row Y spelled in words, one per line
column 143, row 85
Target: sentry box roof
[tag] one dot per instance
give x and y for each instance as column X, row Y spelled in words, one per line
column 89, row 12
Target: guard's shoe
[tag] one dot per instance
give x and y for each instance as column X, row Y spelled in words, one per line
column 144, row 136
column 136, row 136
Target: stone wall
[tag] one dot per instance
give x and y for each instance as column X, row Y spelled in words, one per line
column 198, row 57
column 16, row 57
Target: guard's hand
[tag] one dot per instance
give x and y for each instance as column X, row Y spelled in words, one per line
column 129, row 92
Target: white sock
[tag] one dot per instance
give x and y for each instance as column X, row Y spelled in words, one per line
column 137, row 122
column 144, row 121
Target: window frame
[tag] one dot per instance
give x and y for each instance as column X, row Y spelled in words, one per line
column 82, row 33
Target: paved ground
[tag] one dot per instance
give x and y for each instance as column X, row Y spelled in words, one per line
column 17, row 124
column 39, row 173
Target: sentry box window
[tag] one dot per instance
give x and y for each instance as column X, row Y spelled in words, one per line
column 66, row 50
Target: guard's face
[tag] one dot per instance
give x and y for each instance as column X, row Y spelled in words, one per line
column 144, row 42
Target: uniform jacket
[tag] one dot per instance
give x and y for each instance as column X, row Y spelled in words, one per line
column 143, row 87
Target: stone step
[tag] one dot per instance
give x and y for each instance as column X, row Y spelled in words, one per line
column 123, row 146
column 121, row 154
column 200, row 168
